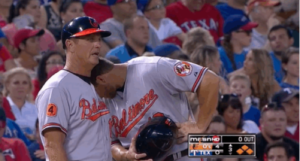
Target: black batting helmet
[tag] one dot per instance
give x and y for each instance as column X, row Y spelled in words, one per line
column 156, row 137
column 81, row 26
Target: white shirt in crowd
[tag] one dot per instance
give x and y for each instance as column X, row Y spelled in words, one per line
column 167, row 29
column 250, row 127
column 26, row 117
column 257, row 41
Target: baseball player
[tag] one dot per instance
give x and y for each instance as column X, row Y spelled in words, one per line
column 72, row 118
column 149, row 86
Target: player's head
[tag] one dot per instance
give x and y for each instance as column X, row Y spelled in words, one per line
column 217, row 125
column 105, row 79
column 81, row 39
column 279, row 151
column 2, row 121
column 273, row 121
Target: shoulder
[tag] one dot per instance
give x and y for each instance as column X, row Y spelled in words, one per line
column 57, row 79
column 144, row 60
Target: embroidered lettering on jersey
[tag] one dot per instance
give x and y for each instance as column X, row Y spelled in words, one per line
column 94, row 111
column 183, row 69
column 207, row 24
column 135, row 113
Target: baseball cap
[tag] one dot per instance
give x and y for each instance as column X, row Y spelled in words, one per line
column 285, row 95
column 82, row 26
column 235, row 22
column 165, row 49
column 26, row 33
column 252, row 3
column 2, row 118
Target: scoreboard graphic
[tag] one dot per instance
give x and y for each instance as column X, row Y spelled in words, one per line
column 222, row 145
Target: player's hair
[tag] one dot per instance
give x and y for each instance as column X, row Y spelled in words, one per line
column 287, row 55
column 265, row 74
column 104, row 66
column 128, row 23
column 12, row 72
column 240, row 76
column 204, row 54
column 217, row 119
column 278, row 27
column 234, row 103
column 287, row 148
column 273, row 106
column 229, row 49
column 41, row 71
column 196, row 37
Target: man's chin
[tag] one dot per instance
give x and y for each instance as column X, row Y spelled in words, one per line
column 276, row 137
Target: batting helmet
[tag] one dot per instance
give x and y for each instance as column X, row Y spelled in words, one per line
column 81, row 26
column 156, row 137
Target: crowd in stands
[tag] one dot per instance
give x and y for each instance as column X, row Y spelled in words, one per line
column 252, row 45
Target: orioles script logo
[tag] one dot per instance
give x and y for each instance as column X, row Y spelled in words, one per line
column 135, row 113
column 92, row 112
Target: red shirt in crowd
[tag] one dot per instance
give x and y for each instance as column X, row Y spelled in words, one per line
column 14, row 149
column 208, row 18
column 7, row 109
column 36, row 88
column 294, row 136
column 4, row 56
column 98, row 11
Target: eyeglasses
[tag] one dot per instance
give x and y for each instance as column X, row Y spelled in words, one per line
column 272, row 105
column 248, row 32
column 159, row 6
column 226, row 97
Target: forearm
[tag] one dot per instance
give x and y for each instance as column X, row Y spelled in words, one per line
column 208, row 96
column 55, row 151
column 118, row 152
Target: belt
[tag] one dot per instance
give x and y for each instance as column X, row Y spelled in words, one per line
column 175, row 156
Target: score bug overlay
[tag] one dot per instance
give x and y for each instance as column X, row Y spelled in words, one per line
column 222, row 145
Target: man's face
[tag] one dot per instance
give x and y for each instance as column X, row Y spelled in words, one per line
column 87, row 48
column 274, row 123
column 126, row 8
column 292, row 110
column 32, row 46
column 279, row 40
column 196, row 4
column 105, row 87
column 139, row 33
column 277, row 154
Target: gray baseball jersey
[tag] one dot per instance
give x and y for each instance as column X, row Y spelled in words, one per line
column 70, row 103
column 154, row 86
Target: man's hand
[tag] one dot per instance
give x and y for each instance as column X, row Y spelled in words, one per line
column 184, row 129
column 131, row 154
column 40, row 154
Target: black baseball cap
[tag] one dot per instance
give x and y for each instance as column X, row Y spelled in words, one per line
column 82, row 26
column 285, row 95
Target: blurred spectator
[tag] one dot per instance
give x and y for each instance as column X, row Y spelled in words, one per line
column 208, row 56
column 217, row 125
column 288, row 11
column 262, row 12
column 123, row 10
column 279, row 151
column 197, row 37
column 289, row 99
column 240, row 84
column 258, row 66
column 4, row 11
column 36, row 149
column 98, row 9
column 48, row 62
column 230, row 108
column 6, row 106
column 26, row 13
column 164, row 27
column 290, row 66
column 232, row 7
column 169, row 50
column 17, row 89
column 27, row 41
column 188, row 14
column 50, row 18
column 281, row 39
column 6, row 60
column 237, row 36
column 13, row 149
column 4, row 41
column 214, row 2
column 273, row 124
column 137, row 32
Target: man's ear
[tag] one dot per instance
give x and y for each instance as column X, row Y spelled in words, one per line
column 70, row 44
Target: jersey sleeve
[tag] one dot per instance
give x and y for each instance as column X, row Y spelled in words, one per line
column 53, row 110
column 180, row 76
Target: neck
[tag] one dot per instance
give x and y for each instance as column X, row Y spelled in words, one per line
column 140, row 49
column 78, row 67
column 232, row 4
column 237, row 48
column 290, row 79
column 27, row 60
column 269, row 140
column 278, row 54
column 191, row 7
column 19, row 102
column 4, row 12
column 155, row 23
